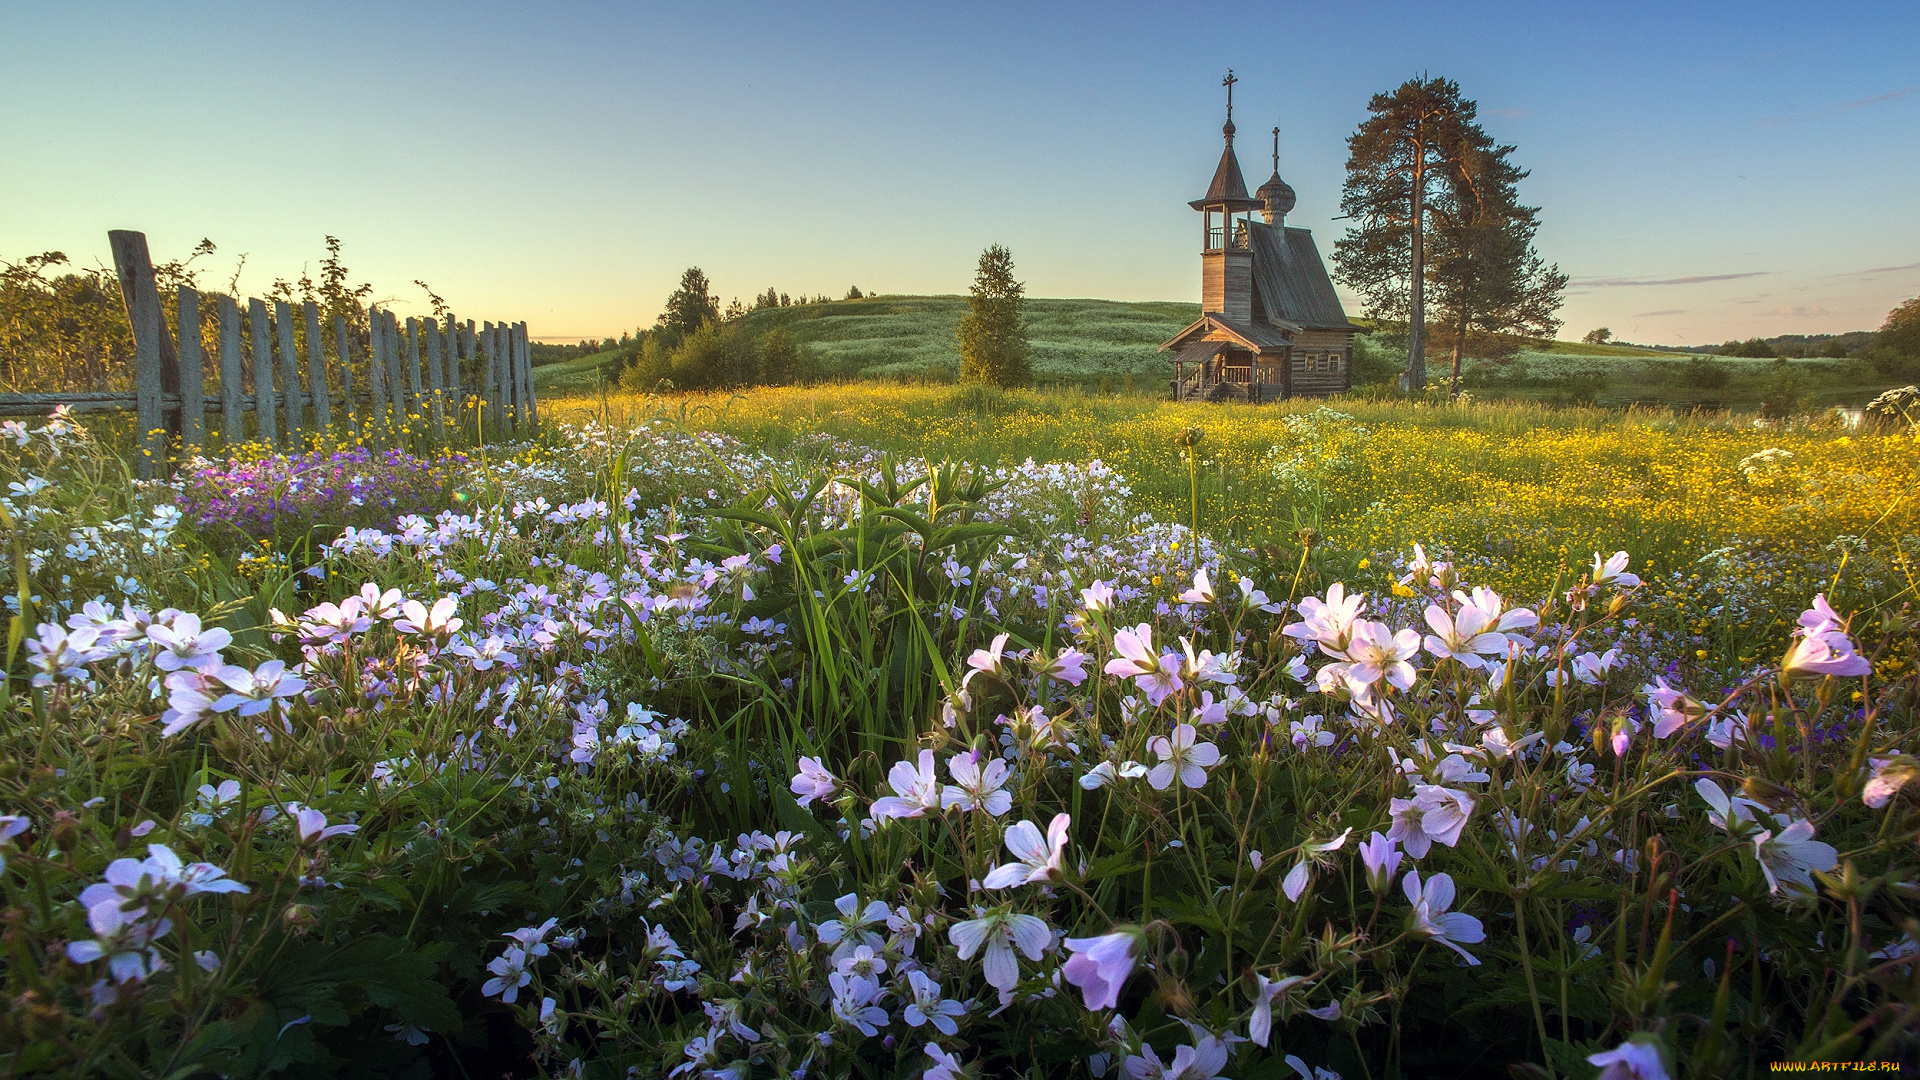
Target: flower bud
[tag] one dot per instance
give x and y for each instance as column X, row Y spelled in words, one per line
column 1766, row 792
column 300, row 918
column 65, row 832
column 1178, row 962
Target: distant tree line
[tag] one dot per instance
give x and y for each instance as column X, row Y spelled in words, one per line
column 1798, row 346
column 695, row 345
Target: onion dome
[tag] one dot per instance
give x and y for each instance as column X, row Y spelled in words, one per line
column 1277, row 194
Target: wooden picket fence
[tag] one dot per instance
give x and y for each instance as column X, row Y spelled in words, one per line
column 408, row 384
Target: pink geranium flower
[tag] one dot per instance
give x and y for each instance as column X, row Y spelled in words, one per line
column 1100, row 965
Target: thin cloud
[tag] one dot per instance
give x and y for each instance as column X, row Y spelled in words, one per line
column 1655, row 314
column 1698, row 279
column 1881, row 270
column 1877, row 99
column 1802, row 312
column 1511, row 114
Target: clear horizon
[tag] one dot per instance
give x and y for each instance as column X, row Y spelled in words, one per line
column 1704, row 173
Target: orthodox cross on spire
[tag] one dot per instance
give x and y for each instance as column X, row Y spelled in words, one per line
column 1276, row 151
column 1228, row 83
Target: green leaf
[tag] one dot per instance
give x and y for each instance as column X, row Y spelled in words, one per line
column 751, row 517
column 1107, row 866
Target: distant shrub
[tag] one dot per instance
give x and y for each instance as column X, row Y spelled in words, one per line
column 1701, row 373
column 1753, row 348
column 1787, row 393
column 782, row 362
column 1890, row 364
column 719, row 355
column 1376, row 361
column 1582, row 388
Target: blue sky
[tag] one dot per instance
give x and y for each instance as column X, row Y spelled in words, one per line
column 1705, row 170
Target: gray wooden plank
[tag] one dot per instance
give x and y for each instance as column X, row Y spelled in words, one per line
column 520, row 370
column 343, row 349
column 376, row 368
column 317, row 383
column 506, row 374
column 233, row 430
column 470, row 349
column 193, row 386
column 496, row 380
column 87, row 401
column 413, row 368
column 450, row 366
column 396, row 385
column 261, row 363
column 509, row 385
column 134, row 267
column 436, row 382
column 487, row 382
column 290, row 395
column 526, row 367
column 518, row 361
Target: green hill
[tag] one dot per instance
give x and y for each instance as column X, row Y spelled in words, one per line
column 1073, row 340
column 1086, row 341
column 893, row 336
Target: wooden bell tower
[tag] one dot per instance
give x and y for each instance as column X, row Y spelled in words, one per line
column 1226, row 256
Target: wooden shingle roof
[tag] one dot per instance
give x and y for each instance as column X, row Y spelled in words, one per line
column 1292, row 280
column 1229, row 187
column 1258, row 337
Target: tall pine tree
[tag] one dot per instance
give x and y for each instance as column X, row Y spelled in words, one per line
column 1491, row 288
column 993, row 336
column 1397, row 161
column 691, row 306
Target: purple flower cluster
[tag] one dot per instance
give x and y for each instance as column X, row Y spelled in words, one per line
column 354, row 486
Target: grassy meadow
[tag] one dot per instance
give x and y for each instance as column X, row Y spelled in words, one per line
column 934, row 733
column 1528, row 492
column 1112, row 345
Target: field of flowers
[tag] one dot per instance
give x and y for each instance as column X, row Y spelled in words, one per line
column 823, row 734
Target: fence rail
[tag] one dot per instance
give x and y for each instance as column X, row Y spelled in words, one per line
column 446, row 375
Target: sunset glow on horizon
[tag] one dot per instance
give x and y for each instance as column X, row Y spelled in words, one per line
column 1705, row 172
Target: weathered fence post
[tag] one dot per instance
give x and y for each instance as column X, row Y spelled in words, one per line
column 504, row 343
column 519, row 360
column 376, row 367
column 348, row 407
column 156, row 370
column 518, row 381
column 262, row 364
column 317, row 371
column 193, row 386
column 413, row 364
column 470, row 348
column 289, row 371
column 527, row 411
column 436, row 383
column 490, row 344
column 233, row 431
column 390, row 335
column 453, row 368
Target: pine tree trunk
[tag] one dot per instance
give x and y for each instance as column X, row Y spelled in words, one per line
column 1459, row 344
column 1417, row 329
